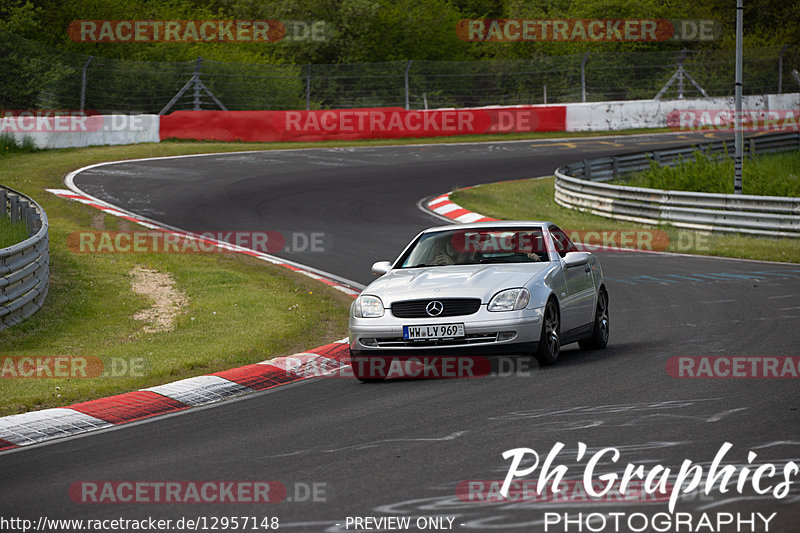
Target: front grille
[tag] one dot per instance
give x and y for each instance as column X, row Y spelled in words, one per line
column 452, row 307
column 399, row 342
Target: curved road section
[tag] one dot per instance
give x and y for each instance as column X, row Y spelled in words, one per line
column 431, row 448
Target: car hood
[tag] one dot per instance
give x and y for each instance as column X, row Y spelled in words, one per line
column 453, row 281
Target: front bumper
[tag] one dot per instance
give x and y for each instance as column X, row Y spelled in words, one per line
column 508, row 332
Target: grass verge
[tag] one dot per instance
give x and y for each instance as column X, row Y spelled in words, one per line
column 533, row 200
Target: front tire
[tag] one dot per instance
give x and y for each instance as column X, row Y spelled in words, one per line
column 550, row 341
column 600, row 330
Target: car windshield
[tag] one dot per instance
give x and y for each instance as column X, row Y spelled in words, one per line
column 478, row 246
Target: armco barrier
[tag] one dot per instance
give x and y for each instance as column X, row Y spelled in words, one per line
column 25, row 266
column 580, row 186
column 351, row 124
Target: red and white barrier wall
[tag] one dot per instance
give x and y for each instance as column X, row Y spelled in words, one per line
column 634, row 114
column 363, row 123
column 376, row 123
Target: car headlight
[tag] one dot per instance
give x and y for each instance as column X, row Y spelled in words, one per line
column 510, row 300
column 368, row 307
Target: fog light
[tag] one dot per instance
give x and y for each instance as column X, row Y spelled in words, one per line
column 506, row 335
column 372, row 343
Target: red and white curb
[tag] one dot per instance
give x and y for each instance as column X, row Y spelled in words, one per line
column 441, row 205
column 38, row 426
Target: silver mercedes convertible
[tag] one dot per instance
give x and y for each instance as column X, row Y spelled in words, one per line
column 515, row 287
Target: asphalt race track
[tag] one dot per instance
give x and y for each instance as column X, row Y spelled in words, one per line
column 401, row 448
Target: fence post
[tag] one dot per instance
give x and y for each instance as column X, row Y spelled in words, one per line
column 308, row 87
column 780, row 67
column 83, row 81
column 197, row 105
column 408, row 67
column 583, row 76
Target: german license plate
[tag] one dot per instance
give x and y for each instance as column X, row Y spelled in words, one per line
column 433, row 331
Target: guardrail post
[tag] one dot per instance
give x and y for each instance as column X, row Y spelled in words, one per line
column 656, row 157
column 14, row 203
column 587, row 169
column 752, row 147
column 614, row 167
column 3, row 201
column 29, row 219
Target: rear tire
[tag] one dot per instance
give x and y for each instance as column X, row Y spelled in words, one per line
column 550, row 341
column 600, row 330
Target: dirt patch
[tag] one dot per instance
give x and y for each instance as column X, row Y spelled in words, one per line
column 98, row 221
column 168, row 301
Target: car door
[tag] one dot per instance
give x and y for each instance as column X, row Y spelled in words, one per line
column 577, row 306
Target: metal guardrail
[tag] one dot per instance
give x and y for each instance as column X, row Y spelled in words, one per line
column 581, row 186
column 25, row 266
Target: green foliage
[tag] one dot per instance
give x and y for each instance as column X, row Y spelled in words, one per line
column 142, row 77
column 387, row 30
column 10, row 145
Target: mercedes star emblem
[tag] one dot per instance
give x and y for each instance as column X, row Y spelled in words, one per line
column 434, row 308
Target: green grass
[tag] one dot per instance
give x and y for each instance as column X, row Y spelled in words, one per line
column 11, row 233
column 766, row 175
column 533, row 200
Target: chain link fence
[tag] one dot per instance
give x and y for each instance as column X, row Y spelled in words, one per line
column 34, row 76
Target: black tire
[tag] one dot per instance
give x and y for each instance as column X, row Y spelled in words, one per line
column 550, row 340
column 600, row 330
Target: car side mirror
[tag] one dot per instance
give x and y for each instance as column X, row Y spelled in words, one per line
column 574, row 259
column 381, row 267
